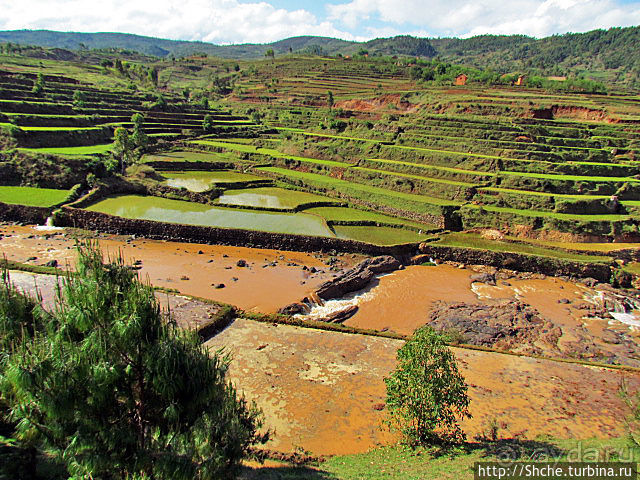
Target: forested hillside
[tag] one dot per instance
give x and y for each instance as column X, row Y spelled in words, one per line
column 610, row 55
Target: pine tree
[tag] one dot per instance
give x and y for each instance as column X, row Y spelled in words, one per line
column 113, row 390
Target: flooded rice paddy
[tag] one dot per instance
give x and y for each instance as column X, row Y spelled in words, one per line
column 270, row 280
column 298, row 223
column 189, row 213
column 199, row 181
column 270, row 197
column 324, row 391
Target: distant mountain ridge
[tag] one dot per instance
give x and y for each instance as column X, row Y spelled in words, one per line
column 402, row 45
column 615, row 49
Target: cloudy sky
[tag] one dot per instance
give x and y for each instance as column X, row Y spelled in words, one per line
column 241, row 21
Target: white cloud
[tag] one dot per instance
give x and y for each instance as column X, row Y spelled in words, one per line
column 474, row 17
column 217, row 21
column 244, row 21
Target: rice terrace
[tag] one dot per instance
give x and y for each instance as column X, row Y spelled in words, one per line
column 292, row 218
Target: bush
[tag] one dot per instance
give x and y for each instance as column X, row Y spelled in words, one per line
column 426, row 394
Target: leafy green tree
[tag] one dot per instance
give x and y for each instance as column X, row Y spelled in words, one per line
column 114, row 391
column 426, row 394
column 38, row 85
column 207, row 123
column 330, row 99
column 153, row 76
column 79, row 98
column 123, row 148
column 139, row 138
column 270, row 53
column 120, row 66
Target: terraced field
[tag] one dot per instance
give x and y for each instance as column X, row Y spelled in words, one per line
column 385, row 154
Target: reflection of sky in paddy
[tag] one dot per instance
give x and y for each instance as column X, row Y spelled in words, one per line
column 175, row 211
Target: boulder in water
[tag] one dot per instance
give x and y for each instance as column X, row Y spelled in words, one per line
column 357, row 277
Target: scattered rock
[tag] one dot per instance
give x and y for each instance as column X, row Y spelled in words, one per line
column 51, row 263
column 262, row 347
column 589, row 282
column 220, row 285
column 31, row 259
column 184, row 277
column 488, row 278
column 508, row 325
column 564, row 301
column 241, row 263
column 341, row 315
column 294, row 309
column 200, row 252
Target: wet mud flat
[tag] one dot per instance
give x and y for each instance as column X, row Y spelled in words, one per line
column 258, row 280
column 325, row 391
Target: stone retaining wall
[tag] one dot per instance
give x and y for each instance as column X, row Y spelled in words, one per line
column 519, row 262
column 23, row 213
column 78, row 218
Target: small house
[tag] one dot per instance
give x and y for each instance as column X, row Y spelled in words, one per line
column 461, row 79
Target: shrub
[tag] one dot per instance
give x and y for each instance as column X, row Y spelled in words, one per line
column 79, row 98
column 426, row 394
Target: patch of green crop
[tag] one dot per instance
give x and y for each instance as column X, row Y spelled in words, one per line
column 560, row 216
column 87, row 150
column 415, row 177
column 472, row 240
column 269, row 152
column 32, row 196
column 344, row 214
column 336, row 184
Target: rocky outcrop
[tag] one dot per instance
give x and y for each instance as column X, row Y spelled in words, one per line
column 510, row 325
column 357, row 277
column 294, row 309
column 487, row 278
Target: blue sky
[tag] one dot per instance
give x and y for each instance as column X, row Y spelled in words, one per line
column 261, row 21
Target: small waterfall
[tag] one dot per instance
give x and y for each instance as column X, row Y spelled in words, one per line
column 48, row 225
column 622, row 308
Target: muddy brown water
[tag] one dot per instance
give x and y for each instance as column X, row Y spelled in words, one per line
column 401, row 302
column 259, row 287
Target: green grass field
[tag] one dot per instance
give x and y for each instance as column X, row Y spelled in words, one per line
column 457, row 463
